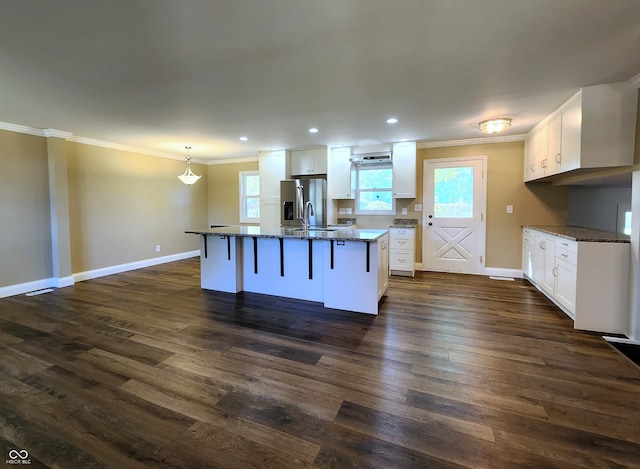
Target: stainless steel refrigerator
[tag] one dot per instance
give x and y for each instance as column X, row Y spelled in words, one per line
column 303, row 199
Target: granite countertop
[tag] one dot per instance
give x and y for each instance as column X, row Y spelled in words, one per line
column 338, row 234
column 580, row 233
column 404, row 223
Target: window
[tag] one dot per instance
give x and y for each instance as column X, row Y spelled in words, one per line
column 249, row 197
column 374, row 190
column 453, row 192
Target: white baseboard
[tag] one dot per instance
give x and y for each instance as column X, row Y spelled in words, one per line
column 22, row 288
column 499, row 272
column 116, row 269
column 491, row 271
column 62, row 282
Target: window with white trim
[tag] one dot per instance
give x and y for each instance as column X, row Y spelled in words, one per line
column 374, row 190
column 249, row 197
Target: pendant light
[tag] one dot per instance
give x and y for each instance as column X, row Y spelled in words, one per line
column 188, row 177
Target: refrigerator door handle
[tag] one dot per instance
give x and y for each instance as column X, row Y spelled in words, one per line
column 299, row 202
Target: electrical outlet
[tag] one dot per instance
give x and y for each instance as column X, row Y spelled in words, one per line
column 157, row 248
column 509, row 208
column 349, row 211
column 417, row 208
column 341, row 211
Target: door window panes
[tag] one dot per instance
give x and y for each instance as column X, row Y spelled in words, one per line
column 453, row 192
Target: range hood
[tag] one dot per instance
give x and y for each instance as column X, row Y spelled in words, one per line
column 378, row 157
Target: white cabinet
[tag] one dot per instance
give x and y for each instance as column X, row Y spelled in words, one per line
column 355, row 274
column 309, row 162
column 404, row 170
column 273, row 167
column 401, row 251
column 339, row 174
column 527, row 252
column 593, row 129
column 535, row 153
column 589, row 281
column 383, row 265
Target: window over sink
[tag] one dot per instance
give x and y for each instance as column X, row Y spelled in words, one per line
column 374, row 190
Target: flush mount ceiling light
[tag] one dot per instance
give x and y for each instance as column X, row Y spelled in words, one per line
column 313, row 130
column 493, row 126
column 188, row 177
column 244, row 139
column 392, row 120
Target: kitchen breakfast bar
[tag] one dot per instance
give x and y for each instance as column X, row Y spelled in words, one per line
column 342, row 268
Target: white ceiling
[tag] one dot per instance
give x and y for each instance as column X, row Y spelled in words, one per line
column 161, row 74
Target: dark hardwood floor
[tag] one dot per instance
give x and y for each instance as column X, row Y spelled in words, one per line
column 145, row 369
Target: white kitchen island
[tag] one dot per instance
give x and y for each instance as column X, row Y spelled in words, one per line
column 342, row 268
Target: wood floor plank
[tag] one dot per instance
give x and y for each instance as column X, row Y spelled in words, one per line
column 145, row 369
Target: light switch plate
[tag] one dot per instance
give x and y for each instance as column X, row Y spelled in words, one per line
column 509, row 208
column 341, row 211
column 348, row 209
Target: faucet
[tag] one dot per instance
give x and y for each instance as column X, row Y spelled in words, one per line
column 308, row 210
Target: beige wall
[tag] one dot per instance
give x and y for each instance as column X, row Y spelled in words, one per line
column 532, row 203
column 224, row 191
column 123, row 204
column 536, row 203
column 25, row 224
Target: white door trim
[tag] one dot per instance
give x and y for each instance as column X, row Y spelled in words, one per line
column 481, row 269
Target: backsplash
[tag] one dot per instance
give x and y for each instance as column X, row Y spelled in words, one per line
column 405, row 221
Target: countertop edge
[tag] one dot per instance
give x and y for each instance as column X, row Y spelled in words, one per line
column 361, row 235
column 581, row 234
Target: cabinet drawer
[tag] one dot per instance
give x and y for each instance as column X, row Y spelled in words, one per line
column 527, row 238
column 400, row 259
column 567, row 244
column 401, row 242
column 566, row 255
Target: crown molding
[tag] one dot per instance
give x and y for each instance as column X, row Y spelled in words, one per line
column 56, row 133
column 246, row 159
column 117, row 146
column 471, row 141
column 21, row 129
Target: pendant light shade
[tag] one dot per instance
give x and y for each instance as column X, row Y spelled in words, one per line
column 493, row 126
column 188, row 177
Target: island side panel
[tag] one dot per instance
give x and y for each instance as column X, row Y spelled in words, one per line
column 296, row 282
column 221, row 269
column 347, row 284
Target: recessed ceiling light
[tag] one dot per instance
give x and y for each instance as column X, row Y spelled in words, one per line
column 392, row 120
column 313, row 130
column 244, row 139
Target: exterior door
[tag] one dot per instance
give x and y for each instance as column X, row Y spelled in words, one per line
column 453, row 217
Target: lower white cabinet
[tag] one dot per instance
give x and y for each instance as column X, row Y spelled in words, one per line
column 589, row 281
column 401, row 251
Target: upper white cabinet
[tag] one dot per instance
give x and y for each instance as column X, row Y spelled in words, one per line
column 594, row 129
column 404, row 170
column 339, row 174
column 309, row 162
column 273, row 167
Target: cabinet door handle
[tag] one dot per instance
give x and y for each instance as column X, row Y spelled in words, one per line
column 558, row 158
column 555, row 271
column 564, row 255
column 533, row 167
